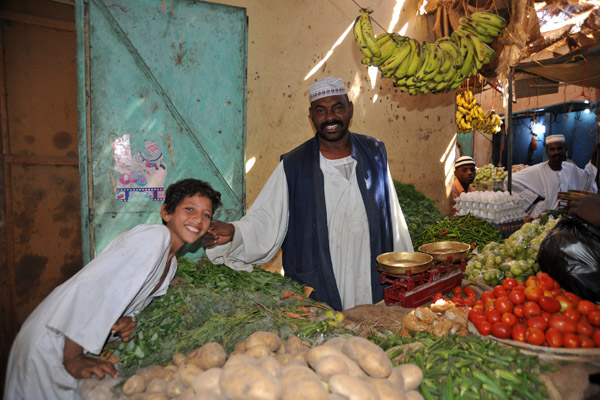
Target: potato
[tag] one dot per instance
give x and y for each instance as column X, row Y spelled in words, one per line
column 209, row 396
column 412, row 376
column 188, row 394
column 292, row 373
column 386, row 389
column 283, row 358
column 156, row 396
column 154, row 371
column 175, row 388
column 336, row 341
column 269, row 339
column 396, row 378
column 271, row 365
column 187, row 373
column 413, row 395
column 294, row 345
column 352, row 387
column 156, row 385
column 315, row 354
column 178, row 359
column 331, row 365
column 248, row 381
column 335, row 396
column 208, row 381
column 303, row 389
column 240, row 359
column 208, row 356
column 259, row 351
column 135, row 384
column 370, row 357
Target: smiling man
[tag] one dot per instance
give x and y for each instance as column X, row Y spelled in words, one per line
column 330, row 205
column 539, row 184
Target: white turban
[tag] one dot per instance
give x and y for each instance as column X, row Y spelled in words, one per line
column 326, row 87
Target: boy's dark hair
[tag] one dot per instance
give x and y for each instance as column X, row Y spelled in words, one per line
column 179, row 190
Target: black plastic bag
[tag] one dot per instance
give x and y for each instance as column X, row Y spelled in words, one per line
column 570, row 254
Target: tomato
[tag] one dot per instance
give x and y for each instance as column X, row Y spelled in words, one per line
column 596, row 337
column 518, row 332
column 586, row 341
column 572, row 314
column 499, row 291
column 484, row 328
column 470, row 301
column 531, row 309
column 563, row 324
column 504, row 305
column 457, row 291
column 458, row 300
column 565, row 303
column 585, row 307
column 533, row 293
column 509, row 283
column 509, row 319
column 546, row 315
column 518, row 311
column 554, row 337
column 584, row 327
column 487, row 295
column 573, row 297
column 571, row 340
column 547, row 292
column 493, row 315
column 501, row 330
column 549, row 304
column 535, row 336
column 517, row 297
column 555, row 292
column 531, row 281
column 478, row 304
column 489, row 304
column 468, row 290
column 545, row 281
column 475, row 312
column 594, row 318
column 537, row 322
column 436, row 297
column 478, row 319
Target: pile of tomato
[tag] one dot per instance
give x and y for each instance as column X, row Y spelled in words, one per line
column 537, row 312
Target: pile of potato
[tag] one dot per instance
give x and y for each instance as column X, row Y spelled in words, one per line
column 264, row 367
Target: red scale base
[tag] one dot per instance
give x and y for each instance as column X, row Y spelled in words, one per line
column 410, row 291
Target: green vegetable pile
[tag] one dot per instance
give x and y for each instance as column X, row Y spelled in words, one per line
column 213, row 303
column 468, row 367
column 463, row 228
column 419, row 210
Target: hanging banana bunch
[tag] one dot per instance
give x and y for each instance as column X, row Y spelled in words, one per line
column 436, row 67
column 470, row 116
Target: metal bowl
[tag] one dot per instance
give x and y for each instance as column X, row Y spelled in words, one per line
column 402, row 262
column 447, row 251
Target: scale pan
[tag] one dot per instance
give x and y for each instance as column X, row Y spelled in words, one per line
column 446, row 251
column 402, row 262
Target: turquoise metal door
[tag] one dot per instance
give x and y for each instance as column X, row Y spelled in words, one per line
column 161, row 97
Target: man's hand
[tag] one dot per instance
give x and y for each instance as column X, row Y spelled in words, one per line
column 80, row 366
column 219, row 232
column 124, row 327
column 586, row 207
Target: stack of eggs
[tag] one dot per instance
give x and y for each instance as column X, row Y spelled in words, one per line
column 494, row 207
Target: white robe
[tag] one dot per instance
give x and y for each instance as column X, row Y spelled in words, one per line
column 260, row 233
column 117, row 283
column 541, row 180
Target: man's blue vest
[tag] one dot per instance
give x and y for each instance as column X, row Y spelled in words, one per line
column 305, row 250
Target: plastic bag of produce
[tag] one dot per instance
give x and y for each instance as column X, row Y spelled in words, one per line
column 571, row 255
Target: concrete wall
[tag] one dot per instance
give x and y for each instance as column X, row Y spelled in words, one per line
column 289, row 38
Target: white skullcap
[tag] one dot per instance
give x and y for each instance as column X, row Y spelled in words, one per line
column 464, row 160
column 555, row 138
column 326, row 87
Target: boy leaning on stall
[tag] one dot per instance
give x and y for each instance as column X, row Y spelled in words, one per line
column 49, row 353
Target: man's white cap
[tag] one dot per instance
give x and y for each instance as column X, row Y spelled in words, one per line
column 464, row 160
column 555, row 139
column 326, row 87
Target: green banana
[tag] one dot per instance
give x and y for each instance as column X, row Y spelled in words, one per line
column 387, row 49
column 490, row 19
column 478, row 44
column 490, row 30
column 467, row 49
column 416, row 60
column 426, row 56
column 367, row 31
column 400, row 52
column 403, row 67
column 477, row 29
column 360, row 40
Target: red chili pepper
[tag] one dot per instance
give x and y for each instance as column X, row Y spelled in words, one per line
column 443, row 233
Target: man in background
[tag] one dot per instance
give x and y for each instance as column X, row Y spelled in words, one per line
column 464, row 172
column 540, row 184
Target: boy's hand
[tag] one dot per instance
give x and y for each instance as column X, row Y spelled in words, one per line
column 124, row 327
column 84, row 367
column 219, row 232
column 587, row 207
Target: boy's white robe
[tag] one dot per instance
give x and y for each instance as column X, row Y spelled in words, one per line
column 117, row 283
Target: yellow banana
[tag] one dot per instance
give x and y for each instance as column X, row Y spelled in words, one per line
column 367, row 32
